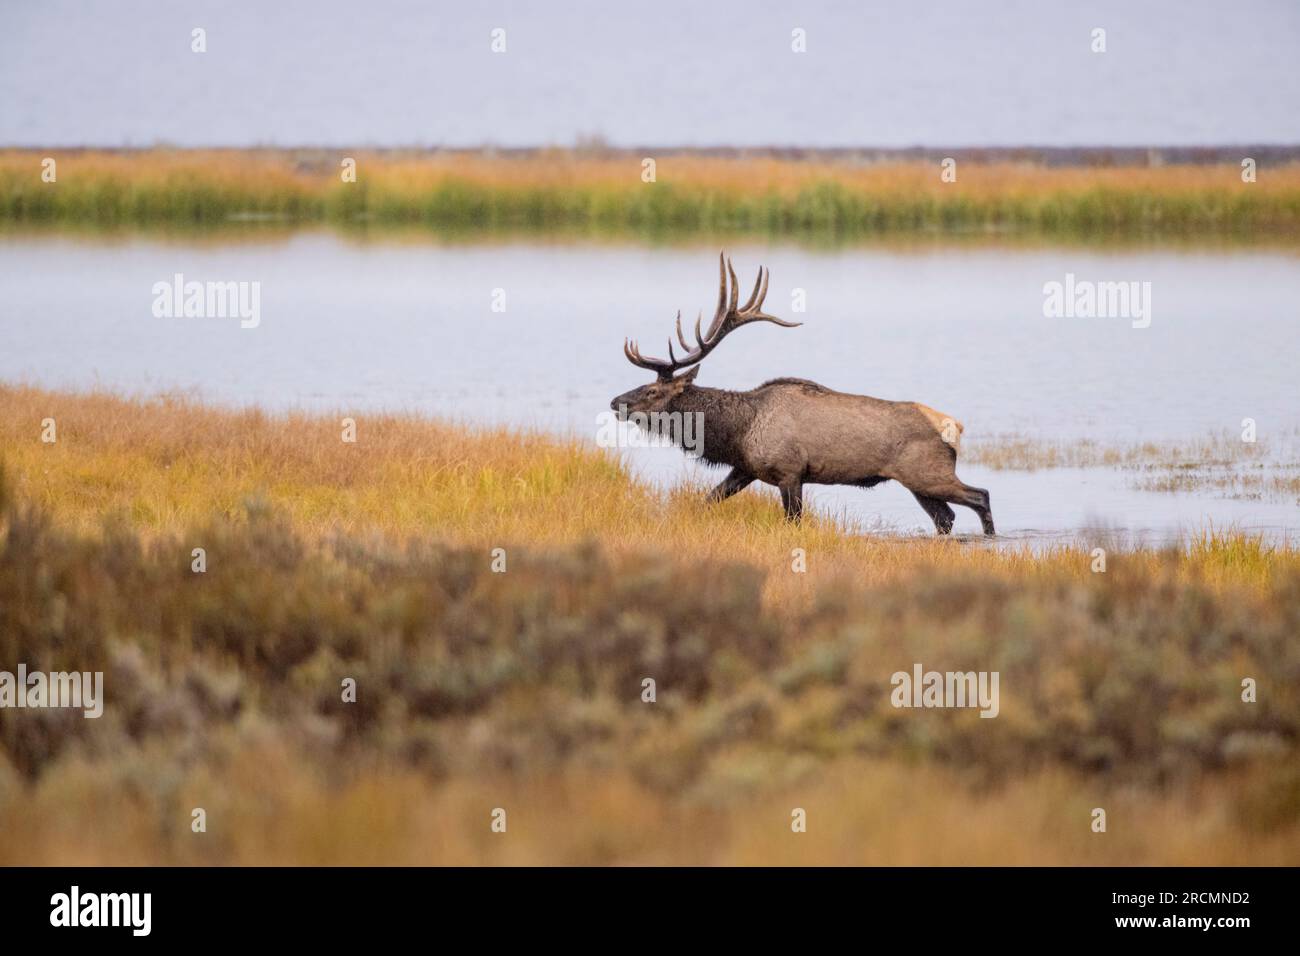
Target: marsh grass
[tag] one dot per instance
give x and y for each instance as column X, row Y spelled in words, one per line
column 164, row 465
column 1225, row 448
column 562, row 189
column 1282, row 484
column 1219, row 463
column 523, row 689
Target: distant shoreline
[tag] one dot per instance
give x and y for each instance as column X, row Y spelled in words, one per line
column 1086, row 156
column 1119, row 193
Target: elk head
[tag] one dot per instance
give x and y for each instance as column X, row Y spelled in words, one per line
column 659, row 394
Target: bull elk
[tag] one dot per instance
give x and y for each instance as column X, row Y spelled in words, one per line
column 790, row 432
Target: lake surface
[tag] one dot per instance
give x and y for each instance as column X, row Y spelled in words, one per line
column 356, row 325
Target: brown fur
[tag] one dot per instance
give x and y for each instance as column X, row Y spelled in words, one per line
column 791, row 432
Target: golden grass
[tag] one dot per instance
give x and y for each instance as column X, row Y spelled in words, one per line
column 168, row 464
column 266, row 808
column 521, row 691
column 564, row 188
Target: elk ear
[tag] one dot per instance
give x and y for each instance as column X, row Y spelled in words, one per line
column 688, row 376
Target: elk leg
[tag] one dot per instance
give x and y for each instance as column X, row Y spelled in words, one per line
column 792, row 499
column 938, row 511
column 954, row 491
column 734, row 482
column 980, row 505
column 977, row 500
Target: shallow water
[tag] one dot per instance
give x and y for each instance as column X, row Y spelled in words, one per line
column 359, row 325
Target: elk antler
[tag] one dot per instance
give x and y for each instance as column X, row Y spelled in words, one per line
column 726, row 319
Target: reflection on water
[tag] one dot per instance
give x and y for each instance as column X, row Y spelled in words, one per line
column 356, row 326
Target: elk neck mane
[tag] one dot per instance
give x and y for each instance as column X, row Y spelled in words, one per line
column 809, row 385
column 727, row 416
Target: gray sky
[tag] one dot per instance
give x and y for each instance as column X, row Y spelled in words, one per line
column 939, row 72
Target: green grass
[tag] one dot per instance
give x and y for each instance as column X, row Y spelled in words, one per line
column 559, row 190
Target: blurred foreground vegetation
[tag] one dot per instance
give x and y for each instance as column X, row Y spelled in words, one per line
column 523, row 690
